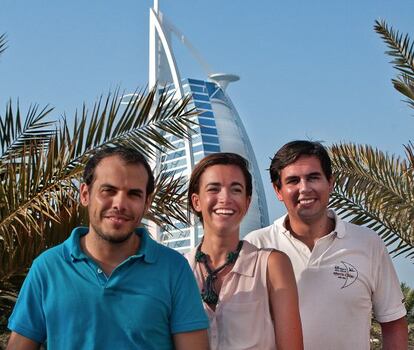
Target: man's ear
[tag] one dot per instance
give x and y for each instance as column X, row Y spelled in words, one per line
column 84, row 194
column 331, row 183
column 278, row 192
column 148, row 202
column 195, row 200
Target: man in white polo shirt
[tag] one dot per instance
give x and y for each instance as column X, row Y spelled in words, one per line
column 343, row 271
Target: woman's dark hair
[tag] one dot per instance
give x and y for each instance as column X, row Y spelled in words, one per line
column 222, row 158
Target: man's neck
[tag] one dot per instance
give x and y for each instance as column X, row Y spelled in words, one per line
column 310, row 232
column 109, row 255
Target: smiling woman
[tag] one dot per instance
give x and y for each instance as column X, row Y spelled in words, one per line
column 249, row 294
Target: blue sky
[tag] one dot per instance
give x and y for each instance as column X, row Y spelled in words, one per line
column 309, row 69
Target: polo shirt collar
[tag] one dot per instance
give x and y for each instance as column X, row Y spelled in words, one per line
column 339, row 229
column 72, row 244
column 148, row 249
column 339, row 224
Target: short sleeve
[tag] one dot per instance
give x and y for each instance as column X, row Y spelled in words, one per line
column 28, row 318
column 387, row 297
column 187, row 308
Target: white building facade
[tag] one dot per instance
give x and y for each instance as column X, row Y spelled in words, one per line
column 219, row 129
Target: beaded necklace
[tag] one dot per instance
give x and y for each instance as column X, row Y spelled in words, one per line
column 209, row 293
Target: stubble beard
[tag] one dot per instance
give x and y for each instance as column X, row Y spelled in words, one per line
column 118, row 239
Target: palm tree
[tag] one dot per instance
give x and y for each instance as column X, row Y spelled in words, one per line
column 408, row 301
column 372, row 187
column 41, row 162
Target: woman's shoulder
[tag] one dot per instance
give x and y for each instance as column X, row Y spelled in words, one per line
column 278, row 258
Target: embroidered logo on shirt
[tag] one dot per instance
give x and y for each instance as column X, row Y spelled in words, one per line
column 346, row 272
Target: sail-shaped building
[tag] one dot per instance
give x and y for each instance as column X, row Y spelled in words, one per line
column 219, row 127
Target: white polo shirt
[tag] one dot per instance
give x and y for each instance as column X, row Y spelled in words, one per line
column 346, row 276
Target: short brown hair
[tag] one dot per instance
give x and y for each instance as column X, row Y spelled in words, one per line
column 127, row 154
column 291, row 151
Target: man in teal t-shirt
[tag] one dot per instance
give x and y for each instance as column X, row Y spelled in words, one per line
column 110, row 286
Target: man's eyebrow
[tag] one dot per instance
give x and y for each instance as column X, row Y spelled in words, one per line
column 314, row 173
column 292, row 177
column 112, row 187
column 136, row 190
column 108, row 186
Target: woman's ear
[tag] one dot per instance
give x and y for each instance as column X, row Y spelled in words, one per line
column 195, row 200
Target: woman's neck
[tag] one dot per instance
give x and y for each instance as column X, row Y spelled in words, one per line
column 217, row 248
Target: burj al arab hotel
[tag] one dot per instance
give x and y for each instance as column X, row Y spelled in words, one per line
column 219, row 127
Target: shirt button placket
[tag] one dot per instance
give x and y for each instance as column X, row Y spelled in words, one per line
column 101, row 276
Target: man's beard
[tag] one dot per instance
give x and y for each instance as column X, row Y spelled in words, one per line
column 118, row 239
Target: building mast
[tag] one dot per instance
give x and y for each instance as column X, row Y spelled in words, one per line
column 160, row 48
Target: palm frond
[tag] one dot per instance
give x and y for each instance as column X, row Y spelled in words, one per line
column 14, row 136
column 375, row 190
column 35, row 189
column 16, row 259
column 141, row 124
column 169, row 202
column 402, row 51
column 404, row 84
column 400, row 47
column 3, row 43
column 32, row 188
column 409, row 152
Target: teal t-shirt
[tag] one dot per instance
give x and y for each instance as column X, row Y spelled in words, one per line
column 68, row 301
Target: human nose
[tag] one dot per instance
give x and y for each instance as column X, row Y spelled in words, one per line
column 119, row 201
column 304, row 186
column 224, row 195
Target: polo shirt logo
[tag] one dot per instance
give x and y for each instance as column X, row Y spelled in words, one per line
column 346, row 272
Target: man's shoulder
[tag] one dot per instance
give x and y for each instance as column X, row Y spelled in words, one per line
column 169, row 255
column 266, row 236
column 50, row 255
column 259, row 233
column 362, row 234
column 47, row 261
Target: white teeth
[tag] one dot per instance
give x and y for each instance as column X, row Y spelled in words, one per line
column 224, row 211
column 306, row 201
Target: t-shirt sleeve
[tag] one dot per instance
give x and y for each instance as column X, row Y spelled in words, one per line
column 387, row 296
column 28, row 317
column 187, row 308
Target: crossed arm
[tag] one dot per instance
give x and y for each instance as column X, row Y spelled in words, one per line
column 283, row 298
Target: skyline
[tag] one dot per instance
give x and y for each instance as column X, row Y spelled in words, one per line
column 305, row 68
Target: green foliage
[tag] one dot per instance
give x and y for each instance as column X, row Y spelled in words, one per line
column 41, row 164
column 408, row 301
column 374, row 188
column 402, row 51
